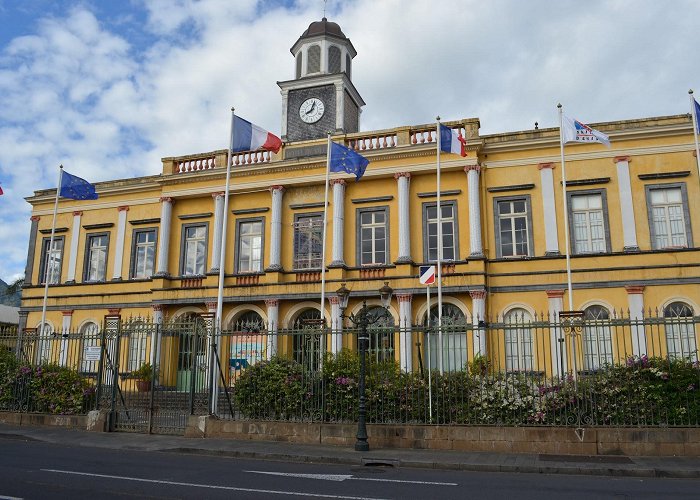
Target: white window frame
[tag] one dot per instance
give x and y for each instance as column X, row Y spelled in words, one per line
column 526, row 216
column 251, row 260
column 194, row 250
column 96, row 257
column 375, row 242
column 670, row 220
column 588, row 235
column 518, row 340
column 144, row 254
column 597, row 339
column 681, row 340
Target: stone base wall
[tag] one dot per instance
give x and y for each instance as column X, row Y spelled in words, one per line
column 36, row 419
column 549, row 440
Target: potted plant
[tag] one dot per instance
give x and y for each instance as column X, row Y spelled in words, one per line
column 144, row 376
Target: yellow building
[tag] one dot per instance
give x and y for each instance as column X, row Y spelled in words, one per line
column 149, row 247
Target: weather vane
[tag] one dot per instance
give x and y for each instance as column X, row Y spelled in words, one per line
column 325, row 2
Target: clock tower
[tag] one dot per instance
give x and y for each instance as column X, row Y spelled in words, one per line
column 321, row 98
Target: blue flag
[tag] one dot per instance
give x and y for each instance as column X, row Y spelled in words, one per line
column 346, row 160
column 76, row 188
column 697, row 114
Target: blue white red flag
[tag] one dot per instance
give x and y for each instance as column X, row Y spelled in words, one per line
column 575, row 131
column 451, row 141
column 249, row 137
column 76, row 188
column 346, row 160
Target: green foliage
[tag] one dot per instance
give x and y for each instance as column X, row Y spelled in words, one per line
column 145, row 372
column 8, row 369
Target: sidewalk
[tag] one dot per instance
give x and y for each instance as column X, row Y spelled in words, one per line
column 678, row 467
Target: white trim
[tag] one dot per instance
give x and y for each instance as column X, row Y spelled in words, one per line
column 187, row 309
column 679, row 298
column 519, row 305
column 420, row 312
column 241, row 309
column 297, row 309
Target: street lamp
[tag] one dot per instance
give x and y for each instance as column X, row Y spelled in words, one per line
column 362, row 320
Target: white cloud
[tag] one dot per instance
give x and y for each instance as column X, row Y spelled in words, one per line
column 84, row 91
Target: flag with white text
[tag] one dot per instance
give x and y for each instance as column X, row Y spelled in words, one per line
column 575, row 131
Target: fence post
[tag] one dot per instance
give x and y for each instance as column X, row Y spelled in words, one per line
column 112, row 329
column 21, row 327
column 212, row 379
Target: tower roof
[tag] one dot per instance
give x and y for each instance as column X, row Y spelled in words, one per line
column 323, row 28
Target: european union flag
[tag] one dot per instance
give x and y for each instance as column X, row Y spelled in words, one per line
column 346, row 160
column 697, row 114
column 75, row 188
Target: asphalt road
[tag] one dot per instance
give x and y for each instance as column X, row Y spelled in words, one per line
column 36, row 470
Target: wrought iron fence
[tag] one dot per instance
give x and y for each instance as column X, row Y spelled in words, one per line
column 515, row 370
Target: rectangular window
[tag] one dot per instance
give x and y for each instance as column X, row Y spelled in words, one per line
column 96, row 257
column 194, row 250
column 249, row 236
column 51, row 261
column 308, row 241
column 143, row 253
column 448, row 219
column 669, row 219
column 373, row 227
column 513, row 222
column 588, row 222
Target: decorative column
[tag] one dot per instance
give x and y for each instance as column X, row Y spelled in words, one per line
column 166, row 213
column 476, row 248
column 73, row 252
column 65, row 331
column 336, row 325
column 338, row 258
column 276, row 229
column 549, row 208
column 629, row 228
column 119, row 250
column 273, row 313
column 635, row 301
column 405, row 333
column 555, row 300
column 29, row 268
column 339, row 101
column 157, row 336
column 478, row 321
column 404, row 179
column 219, row 221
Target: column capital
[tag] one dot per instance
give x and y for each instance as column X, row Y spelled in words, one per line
column 477, row 294
column 211, row 306
column 549, row 165
column 123, row 208
column 277, row 187
column 634, row 289
column 158, row 307
column 334, row 299
column 272, row 302
column 404, row 297
column 555, row 294
column 114, row 311
column 78, row 213
column 167, row 199
column 35, row 218
column 217, row 194
column 475, row 168
column 398, row 175
column 618, row 159
column 342, row 182
column 68, row 312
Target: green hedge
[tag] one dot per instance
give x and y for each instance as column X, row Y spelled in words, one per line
column 644, row 391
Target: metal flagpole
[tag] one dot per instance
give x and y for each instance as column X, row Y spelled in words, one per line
column 439, row 250
column 325, row 221
column 566, row 212
column 695, row 128
column 50, row 258
column 214, row 344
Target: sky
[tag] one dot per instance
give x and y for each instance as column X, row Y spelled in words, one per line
column 108, row 88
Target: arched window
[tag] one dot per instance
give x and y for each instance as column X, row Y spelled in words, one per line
column 299, row 65
column 248, row 322
column 348, row 62
column 680, row 331
column 138, row 337
column 597, row 339
column 453, row 348
column 518, row 340
column 307, row 339
column 381, row 333
column 45, row 339
column 90, row 337
column 313, row 59
column 189, row 332
column 333, row 59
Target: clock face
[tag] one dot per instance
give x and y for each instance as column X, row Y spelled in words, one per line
column 311, row 110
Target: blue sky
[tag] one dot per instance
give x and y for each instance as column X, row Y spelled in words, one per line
column 108, row 88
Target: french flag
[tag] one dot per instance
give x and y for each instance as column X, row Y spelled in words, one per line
column 249, row 137
column 451, row 141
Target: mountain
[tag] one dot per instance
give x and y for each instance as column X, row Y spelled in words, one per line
column 9, row 296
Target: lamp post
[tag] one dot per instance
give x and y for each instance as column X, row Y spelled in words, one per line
column 362, row 320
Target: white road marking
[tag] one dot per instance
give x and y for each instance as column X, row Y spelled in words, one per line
column 209, row 486
column 345, row 477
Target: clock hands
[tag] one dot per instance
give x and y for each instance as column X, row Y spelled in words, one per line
column 312, row 108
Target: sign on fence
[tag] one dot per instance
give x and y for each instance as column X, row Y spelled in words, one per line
column 92, row 353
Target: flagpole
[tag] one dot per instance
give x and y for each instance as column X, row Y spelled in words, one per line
column 50, row 253
column 439, row 249
column 695, row 128
column 566, row 212
column 325, row 221
column 214, row 344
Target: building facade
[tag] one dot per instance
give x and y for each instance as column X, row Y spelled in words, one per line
column 150, row 247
